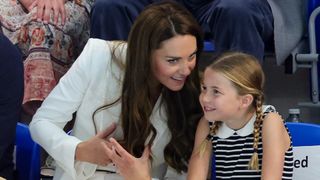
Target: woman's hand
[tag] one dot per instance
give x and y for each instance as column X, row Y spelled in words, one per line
column 95, row 150
column 26, row 4
column 128, row 166
column 45, row 8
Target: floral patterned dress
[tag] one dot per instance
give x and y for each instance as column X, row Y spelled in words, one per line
column 48, row 50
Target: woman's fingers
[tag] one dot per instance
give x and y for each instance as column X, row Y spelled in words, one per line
column 47, row 9
column 63, row 14
column 46, row 15
column 40, row 10
column 119, row 149
column 59, row 10
column 33, row 4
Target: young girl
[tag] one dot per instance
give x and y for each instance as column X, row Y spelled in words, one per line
column 249, row 140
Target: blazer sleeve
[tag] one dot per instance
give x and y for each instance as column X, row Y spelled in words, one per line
column 57, row 109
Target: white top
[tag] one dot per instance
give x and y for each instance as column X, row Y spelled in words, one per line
column 93, row 80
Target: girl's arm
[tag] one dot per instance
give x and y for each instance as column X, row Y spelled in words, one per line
column 275, row 142
column 199, row 165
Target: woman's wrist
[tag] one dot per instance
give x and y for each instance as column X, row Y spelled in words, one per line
column 78, row 153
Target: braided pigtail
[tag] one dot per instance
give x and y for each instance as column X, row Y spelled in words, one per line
column 254, row 162
column 213, row 130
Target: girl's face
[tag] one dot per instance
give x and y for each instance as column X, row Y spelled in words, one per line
column 219, row 98
column 174, row 61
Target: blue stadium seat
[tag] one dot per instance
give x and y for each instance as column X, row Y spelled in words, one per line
column 304, row 134
column 27, row 154
column 208, row 46
column 306, row 147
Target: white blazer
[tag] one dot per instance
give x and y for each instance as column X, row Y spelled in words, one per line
column 93, row 80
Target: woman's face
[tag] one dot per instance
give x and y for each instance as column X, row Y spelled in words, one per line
column 174, row 61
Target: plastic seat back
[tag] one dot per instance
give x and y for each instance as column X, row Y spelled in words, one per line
column 27, row 154
column 306, row 148
column 304, row 134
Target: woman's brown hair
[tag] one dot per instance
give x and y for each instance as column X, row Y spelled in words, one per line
column 157, row 23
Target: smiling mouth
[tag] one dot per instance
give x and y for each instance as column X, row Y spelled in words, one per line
column 208, row 109
column 179, row 78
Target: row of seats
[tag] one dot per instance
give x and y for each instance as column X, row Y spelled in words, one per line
column 28, row 152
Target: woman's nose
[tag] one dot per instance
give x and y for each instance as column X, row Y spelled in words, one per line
column 186, row 68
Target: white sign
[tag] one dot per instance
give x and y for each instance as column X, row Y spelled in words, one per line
column 306, row 163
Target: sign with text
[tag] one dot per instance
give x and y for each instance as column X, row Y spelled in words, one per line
column 306, row 163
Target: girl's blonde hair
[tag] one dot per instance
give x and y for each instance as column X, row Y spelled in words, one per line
column 246, row 75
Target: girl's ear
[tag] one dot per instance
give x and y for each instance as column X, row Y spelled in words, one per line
column 246, row 100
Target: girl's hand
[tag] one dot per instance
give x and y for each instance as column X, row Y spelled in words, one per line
column 128, row 166
column 95, row 149
column 45, row 8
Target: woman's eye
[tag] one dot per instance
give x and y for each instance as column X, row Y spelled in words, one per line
column 172, row 61
column 192, row 57
column 203, row 88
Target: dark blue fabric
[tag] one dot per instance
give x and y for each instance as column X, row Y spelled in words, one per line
column 112, row 19
column 11, row 94
column 239, row 25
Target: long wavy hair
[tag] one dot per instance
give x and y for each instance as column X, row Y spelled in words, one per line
column 157, row 23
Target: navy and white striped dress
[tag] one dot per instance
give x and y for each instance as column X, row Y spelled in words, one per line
column 233, row 150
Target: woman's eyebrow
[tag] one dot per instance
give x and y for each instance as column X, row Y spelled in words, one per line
column 176, row 57
column 173, row 57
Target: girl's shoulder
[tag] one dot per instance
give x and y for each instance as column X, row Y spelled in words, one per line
column 270, row 114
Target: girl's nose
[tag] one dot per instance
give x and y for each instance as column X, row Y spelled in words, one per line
column 205, row 97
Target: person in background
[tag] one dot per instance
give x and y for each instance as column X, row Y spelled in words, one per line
column 143, row 93
column 11, row 94
column 50, row 35
column 249, row 26
column 249, row 140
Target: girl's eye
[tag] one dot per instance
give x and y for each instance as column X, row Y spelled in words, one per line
column 216, row 91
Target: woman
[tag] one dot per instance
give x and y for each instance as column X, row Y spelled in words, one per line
column 51, row 35
column 147, row 90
